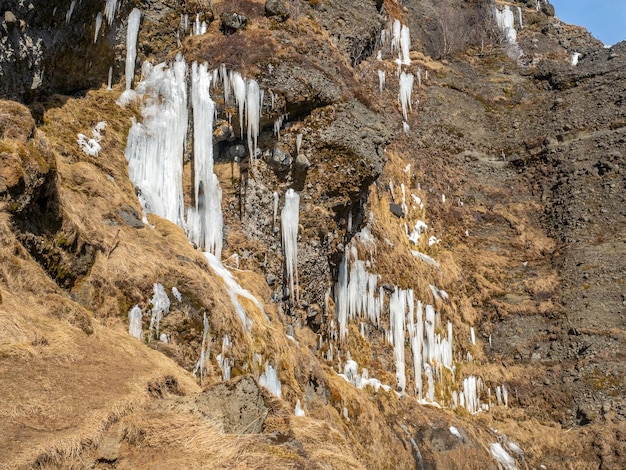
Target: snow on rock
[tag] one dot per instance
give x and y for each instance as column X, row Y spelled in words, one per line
column 269, row 379
column 289, row 218
column 131, row 45
column 92, row 146
column 98, row 26
column 420, row 227
column 177, row 295
column 504, row 459
column 356, row 292
column 134, row 325
column 575, row 57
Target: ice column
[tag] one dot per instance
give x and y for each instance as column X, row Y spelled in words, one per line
column 131, row 45
column 506, row 23
column 205, row 221
column 269, row 379
column 289, row 218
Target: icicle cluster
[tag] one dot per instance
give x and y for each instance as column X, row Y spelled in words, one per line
column 155, row 147
column 109, row 10
column 406, row 89
column 362, row 380
column 289, row 219
column 98, row 26
column 401, row 42
column 68, row 15
column 356, row 293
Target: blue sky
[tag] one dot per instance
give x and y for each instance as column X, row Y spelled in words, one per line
column 605, row 19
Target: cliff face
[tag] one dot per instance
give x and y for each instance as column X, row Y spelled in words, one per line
column 510, row 161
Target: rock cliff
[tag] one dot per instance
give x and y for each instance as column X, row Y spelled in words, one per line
column 459, row 300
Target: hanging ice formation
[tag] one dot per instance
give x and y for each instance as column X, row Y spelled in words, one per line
column 519, row 17
column 204, row 221
column 199, row 27
column 356, row 293
column 155, row 147
column 289, row 219
column 401, row 42
column 98, row 26
column 109, row 10
column 575, row 57
column 406, row 89
column 131, row 45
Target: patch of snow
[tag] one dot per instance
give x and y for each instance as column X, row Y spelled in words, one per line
column 505, row 461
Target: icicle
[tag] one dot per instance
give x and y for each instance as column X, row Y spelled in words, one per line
column 416, row 332
column 472, row 336
column 419, row 76
column 253, row 115
column 98, row 26
column 131, row 45
column 68, row 15
column 275, row 206
column 299, row 411
column 109, row 10
column 349, row 222
column 470, row 392
column 506, row 22
column 404, row 97
column 381, row 80
column 519, row 16
column 505, row 396
column 110, row 79
column 289, row 219
column 405, row 46
column 575, row 57
column 134, row 325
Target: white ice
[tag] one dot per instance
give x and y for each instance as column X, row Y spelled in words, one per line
column 289, row 218
column 132, row 32
column 269, row 379
column 505, row 461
